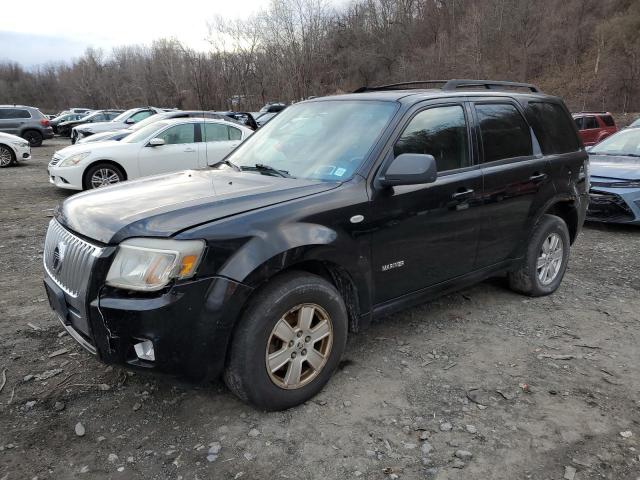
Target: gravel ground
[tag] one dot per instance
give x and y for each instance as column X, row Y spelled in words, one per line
column 480, row 384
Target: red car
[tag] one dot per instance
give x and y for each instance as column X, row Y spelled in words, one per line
column 594, row 127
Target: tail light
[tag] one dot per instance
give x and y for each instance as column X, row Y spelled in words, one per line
column 44, row 122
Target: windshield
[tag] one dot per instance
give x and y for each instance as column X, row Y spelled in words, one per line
column 626, row 142
column 324, row 140
column 149, row 120
column 145, row 132
column 124, row 115
column 636, row 123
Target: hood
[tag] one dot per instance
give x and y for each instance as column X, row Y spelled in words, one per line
column 164, row 205
column 11, row 138
column 83, row 147
column 615, row 167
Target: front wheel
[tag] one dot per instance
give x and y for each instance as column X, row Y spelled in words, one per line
column 6, row 156
column 546, row 259
column 288, row 342
column 102, row 175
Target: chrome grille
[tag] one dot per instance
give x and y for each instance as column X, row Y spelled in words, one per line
column 68, row 259
column 55, row 160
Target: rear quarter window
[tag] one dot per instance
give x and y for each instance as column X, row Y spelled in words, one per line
column 553, row 127
column 608, row 120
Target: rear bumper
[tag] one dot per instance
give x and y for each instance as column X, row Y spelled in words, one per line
column 614, row 205
column 47, row 133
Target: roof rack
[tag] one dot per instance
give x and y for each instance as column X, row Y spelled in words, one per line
column 454, row 84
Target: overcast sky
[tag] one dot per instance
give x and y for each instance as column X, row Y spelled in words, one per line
column 50, row 31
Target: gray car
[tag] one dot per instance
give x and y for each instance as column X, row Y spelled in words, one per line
column 26, row 122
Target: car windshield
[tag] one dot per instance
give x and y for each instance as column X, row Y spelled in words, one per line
column 626, row 142
column 124, row 115
column 324, row 140
column 149, row 120
column 145, row 132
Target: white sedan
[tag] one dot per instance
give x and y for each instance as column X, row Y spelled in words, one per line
column 161, row 147
column 13, row 149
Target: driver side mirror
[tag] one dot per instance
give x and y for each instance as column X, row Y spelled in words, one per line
column 156, row 142
column 129, row 121
column 410, row 169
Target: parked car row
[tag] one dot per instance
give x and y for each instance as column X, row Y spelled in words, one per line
column 161, row 146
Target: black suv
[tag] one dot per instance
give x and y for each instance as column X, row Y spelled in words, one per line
column 341, row 210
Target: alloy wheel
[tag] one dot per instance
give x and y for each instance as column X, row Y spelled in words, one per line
column 104, row 176
column 5, row 157
column 550, row 259
column 299, row 346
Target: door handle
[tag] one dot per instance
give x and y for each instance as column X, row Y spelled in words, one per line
column 189, row 149
column 462, row 195
column 538, row 177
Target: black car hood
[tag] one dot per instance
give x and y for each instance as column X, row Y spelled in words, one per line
column 164, row 205
column 615, row 167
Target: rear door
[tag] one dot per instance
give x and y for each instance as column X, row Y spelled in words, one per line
column 218, row 140
column 516, row 179
column 427, row 234
column 179, row 152
column 12, row 120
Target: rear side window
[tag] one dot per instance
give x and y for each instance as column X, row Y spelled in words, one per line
column 11, row 113
column 553, row 128
column 441, row 132
column 505, row 134
column 608, row 120
column 215, row 132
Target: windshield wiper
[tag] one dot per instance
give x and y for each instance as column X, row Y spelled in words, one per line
column 261, row 167
column 228, row 163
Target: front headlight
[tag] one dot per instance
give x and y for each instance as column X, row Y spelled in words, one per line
column 74, row 159
column 149, row 264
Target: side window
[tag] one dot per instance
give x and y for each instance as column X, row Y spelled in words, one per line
column 590, row 122
column 505, row 134
column 579, row 121
column 608, row 120
column 438, row 131
column 179, row 134
column 14, row 113
column 216, row 132
column 100, row 118
column 234, row 133
column 141, row 115
column 553, row 128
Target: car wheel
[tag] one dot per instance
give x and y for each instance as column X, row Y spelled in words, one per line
column 102, row 175
column 546, row 259
column 288, row 342
column 74, row 137
column 7, row 156
column 33, row 137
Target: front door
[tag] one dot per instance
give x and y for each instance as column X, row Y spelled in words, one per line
column 516, row 177
column 426, row 234
column 179, row 152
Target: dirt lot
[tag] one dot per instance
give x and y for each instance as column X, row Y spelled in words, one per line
column 520, row 388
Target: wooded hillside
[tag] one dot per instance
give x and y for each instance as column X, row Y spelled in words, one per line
column 587, row 51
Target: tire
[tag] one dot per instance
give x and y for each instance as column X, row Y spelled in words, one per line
column 34, row 137
column 543, row 267
column 74, row 137
column 7, row 157
column 247, row 374
column 104, row 170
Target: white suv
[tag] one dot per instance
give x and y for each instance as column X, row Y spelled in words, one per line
column 161, row 147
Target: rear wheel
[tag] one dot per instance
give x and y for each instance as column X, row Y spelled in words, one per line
column 546, row 259
column 102, row 175
column 6, row 156
column 288, row 342
column 33, row 137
